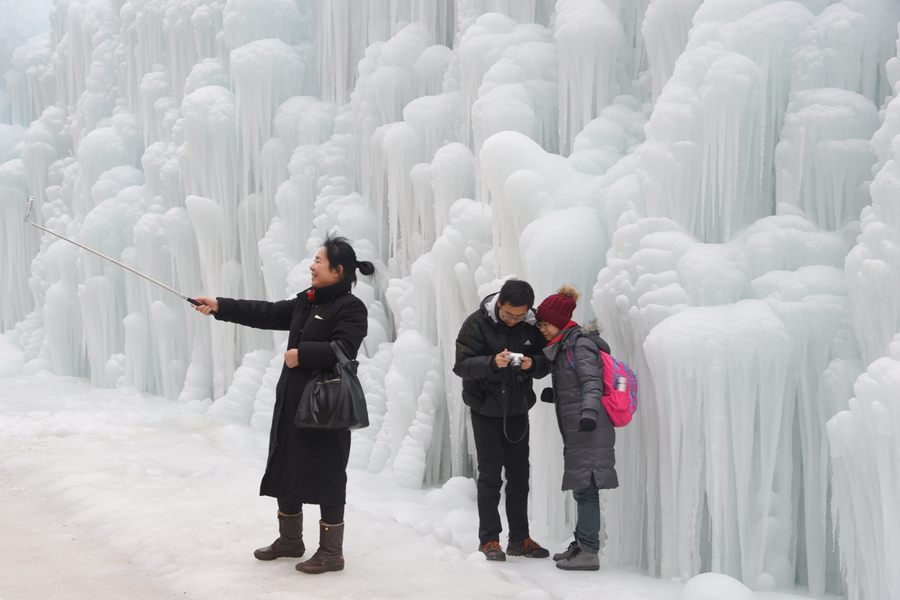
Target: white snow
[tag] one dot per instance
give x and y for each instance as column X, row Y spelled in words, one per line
column 115, row 494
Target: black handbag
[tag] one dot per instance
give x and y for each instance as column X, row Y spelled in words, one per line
column 333, row 399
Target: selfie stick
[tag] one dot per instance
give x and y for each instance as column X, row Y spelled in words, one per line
column 28, row 220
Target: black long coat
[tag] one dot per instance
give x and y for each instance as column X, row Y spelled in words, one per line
column 307, row 466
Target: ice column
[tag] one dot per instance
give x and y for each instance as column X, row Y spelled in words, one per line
column 187, row 275
column 18, row 244
column 589, row 38
column 210, row 156
column 665, row 33
column 639, row 288
column 43, row 147
column 428, row 122
column 108, row 228
column 865, row 450
column 342, row 40
column 246, row 21
column 90, row 67
column 507, row 154
column 105, row 148
column 812, row 303
column 847, row 46
column 873, row 266
column 718, row 119
column 727, row 414
column 482, row 45
column 143, row 45
column 386, row 85
column 824, row 159
column 31, row 82
column 181, row 41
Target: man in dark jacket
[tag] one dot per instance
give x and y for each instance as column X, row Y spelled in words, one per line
column 498, row 388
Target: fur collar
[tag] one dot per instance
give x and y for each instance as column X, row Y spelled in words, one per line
column 592, row 326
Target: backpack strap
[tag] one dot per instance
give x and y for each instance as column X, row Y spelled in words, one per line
column 570, row 354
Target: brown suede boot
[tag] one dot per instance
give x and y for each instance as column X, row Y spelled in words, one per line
column 329, row 556
column 290, row 539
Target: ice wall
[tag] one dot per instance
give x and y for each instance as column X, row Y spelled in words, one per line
column 717, row 177
column 863, row 440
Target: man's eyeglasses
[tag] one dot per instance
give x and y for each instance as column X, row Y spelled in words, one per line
column 508, row 317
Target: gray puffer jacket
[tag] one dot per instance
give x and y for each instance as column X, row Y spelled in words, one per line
column 578, row 393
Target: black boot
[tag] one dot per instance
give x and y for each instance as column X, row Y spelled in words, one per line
column 329, row 556
column 290, row 539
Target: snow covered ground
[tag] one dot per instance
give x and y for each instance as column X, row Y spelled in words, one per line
column 113, row 494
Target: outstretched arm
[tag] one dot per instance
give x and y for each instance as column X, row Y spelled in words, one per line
column 252, row 313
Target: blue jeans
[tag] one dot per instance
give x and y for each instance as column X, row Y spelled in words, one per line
column 587, row 527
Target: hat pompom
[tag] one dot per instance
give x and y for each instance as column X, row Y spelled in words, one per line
column 569, row 291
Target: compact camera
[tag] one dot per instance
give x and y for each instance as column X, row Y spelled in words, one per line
column 515, row 360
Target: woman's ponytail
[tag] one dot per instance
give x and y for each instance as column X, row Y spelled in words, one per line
column 365, row 267
column 341, row 254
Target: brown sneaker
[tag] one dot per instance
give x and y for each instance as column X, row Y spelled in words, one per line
column 492, row 551
column 528, row 548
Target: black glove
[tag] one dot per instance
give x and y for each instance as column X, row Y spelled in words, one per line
column 587, row 425
column 547, row 395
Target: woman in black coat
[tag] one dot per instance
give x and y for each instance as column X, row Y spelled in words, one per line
column 305, row 465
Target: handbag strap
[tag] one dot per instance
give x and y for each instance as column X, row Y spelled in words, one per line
column 338, row 349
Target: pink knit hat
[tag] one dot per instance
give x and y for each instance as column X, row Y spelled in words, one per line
column 557, row 309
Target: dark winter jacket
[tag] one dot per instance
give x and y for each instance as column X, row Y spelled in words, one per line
column 578, row 391
column 488, row 389
column 305, row 465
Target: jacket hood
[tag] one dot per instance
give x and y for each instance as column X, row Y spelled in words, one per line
column 489, row 306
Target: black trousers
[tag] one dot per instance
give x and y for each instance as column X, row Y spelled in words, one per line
column 495, row 452
column 333, row 515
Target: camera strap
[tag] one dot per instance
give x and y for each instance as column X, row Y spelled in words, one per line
column 506, row 411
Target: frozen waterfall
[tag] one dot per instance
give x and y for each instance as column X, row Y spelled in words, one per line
column 720, row 178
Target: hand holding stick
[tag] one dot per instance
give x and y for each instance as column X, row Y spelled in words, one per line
column 205, row 305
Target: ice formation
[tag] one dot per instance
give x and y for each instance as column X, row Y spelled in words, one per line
column 719, row 178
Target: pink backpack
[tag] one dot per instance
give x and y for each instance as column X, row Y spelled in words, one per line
column 619, row 389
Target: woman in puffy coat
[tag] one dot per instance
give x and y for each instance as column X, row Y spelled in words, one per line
column 588, row 434
column 307, row 466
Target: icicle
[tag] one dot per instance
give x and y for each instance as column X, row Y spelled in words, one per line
column 824, row 157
